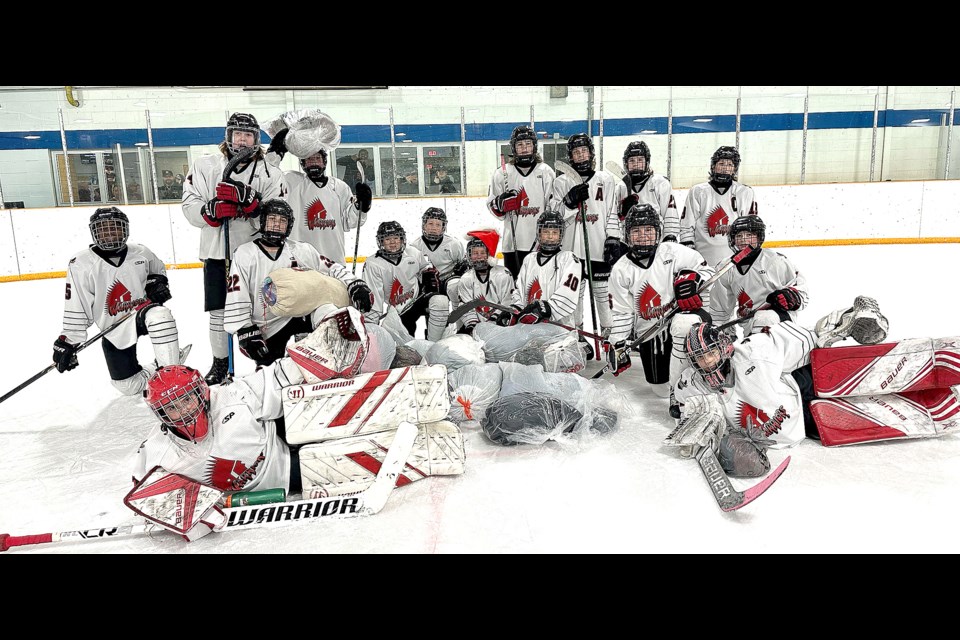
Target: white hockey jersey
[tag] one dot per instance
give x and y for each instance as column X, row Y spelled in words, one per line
column 394, row 285
column 658, row 193
column 600, row 206
column 498, row 287
column 448, row 253
column 639, row 297
column 763, row 388
column 322, row 216
column 251, row 265
column 707, row 217
column 735, row 295
column 534, row 190
column 201, row 186
column 99, row 292
column 242, row 449
column 557, row 281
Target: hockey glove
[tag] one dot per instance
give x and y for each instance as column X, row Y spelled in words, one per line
column 216, row 211
column 787, row 299
column 278, row 143
column 613, row 248
column 669, row 238
column 625, row 205
column 243, row 195
column 618, row 355
column 360, row 295
column 507, row 202
column 535, row 312
column 364, row 197
column 429, row 281
column 460, row 268
column 253, row 345
column 157, row 288
column 508, row 318
column 577, row 194
column 685, row 288
column 64, row 354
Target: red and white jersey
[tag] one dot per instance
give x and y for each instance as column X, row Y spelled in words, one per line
column 201, row 186
column 707, row 217
column 321, row 215
column 100, row 292
column 534, row 189
column 394, row 285
column 251, row 265
column 242, row 449
column 639, row 297
column 448, row 253
column 735, row 295
column 498, row 287
column 658, row 193
column 556, row 280
column 762, row 388
column 600, row 206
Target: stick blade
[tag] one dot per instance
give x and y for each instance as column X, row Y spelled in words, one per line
column 567, row 170
column 757, row 490
column 377, row 495
column 615, row 169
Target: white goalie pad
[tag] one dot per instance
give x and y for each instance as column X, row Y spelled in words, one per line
column 348, row 465
column 336, row 348
column 365, row 404
column 294, row 292
column 172, row 500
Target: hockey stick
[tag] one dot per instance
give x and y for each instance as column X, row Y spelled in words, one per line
column 365, row 503
column 513, row 218
column 615, row 169
column 568, row 171
column 728, row 498
column 356, row 246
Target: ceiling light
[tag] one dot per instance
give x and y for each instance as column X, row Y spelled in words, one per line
column 920, row 121
column 31, row 137
column 703, row 119
column 141, row 144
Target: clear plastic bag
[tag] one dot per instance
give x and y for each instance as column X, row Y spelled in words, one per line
column 505, row 344
column 455, row 351
column 473, row 388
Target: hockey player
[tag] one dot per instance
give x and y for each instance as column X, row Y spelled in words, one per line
column 263, row 335
column 597, row 194
column 445, row 253
column 484, row 282
column 764, row 276
column 640, row 186
column 105, row 284
column 215, row 204
column 518, row 193
column 402, row 277
column 710, row 207
column 641, row 285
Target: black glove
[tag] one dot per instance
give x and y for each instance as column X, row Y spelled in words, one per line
column 429, row 281
column 216, row 211
column 252, row 344
column 508, row 318
column 535, row 312
column 157, row 288
column 669, row 238
column 243, row 195
column 618, row 355
column 460, row 268
column 685, row 289
column 278, row 143
column 577, row 194
column 613, row 248
column 507, row 201
column 360, row 295
column 364, row 196
column 64, row 354
column 625, row 205
column 787, row 299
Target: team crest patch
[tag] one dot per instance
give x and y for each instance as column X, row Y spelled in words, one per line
column 269, row 291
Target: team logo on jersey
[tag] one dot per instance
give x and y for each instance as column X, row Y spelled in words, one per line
column 316, row 216
column 649, row 303
column 484, row 310
column 746, row 411
column 397, row 295
column 591, row 217
column 231, row 475
column 718, row 222
column 759, row 419
column 525, row 208
column 599, row 195
column 535, row 292
column 120, row 300
column 744, row 304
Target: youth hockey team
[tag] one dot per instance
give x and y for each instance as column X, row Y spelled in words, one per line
column 675, row 290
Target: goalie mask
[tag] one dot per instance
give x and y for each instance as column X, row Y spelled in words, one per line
column 709, row 350
column 550, row 226
column 724, row 165
column 436, row 229
column 242, row 123
column 316, row 165
column 478, row 255
column 276, row 222
column 527, row 155
column 642, row 230
column 180, row 398
column 746, row 230
column 584, row 160
column 636, row 162
column 109, row 228
column 391, row 240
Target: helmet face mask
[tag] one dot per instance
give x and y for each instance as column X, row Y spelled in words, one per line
column 433, row 224
column 642, row 230
column 391, row 239
column 478, row 255
column 550, row 226
column 180, row 398
column 636, row 161
column 746, row 230
column 109, row 228
column 276, row 222
column 724, row 165
column 580, row 153
column 523, row 143
column 709, row 350
column 242, row 131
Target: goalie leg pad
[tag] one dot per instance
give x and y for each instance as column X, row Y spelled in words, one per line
column 843, row 421
column 876, row 369
column 348, row 465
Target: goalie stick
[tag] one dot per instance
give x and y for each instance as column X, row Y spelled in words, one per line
column 728, row 498
column 365, row 503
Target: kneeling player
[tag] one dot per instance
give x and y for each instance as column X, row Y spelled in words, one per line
column 484, row 282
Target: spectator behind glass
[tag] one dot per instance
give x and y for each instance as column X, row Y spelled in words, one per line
column 169, row 190
column 350, row 174
column 444, row 181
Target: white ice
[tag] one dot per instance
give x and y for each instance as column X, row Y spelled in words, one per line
column 68, row 440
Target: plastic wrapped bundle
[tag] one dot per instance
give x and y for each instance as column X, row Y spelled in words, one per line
column 455, row 352
column 556, row 353
column 502, row 344
column 535, row 417
column 309, row 131
column 406, row 357
column 473, row 388
column 420, row 345
column 380, row 352
column 392, row 323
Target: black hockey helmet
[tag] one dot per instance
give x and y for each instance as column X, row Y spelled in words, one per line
column 709, row 350
column 433, row 213
column 523, row 132
column 241, row 122
column 724, row 153
column 638, row 149
column 313, row 171
column 275, row 207
column 642, row 215
column 581, row 140
column 387, row 230
column 478, row 263
column 749, row 224
column 550, row 219
column 109, row 228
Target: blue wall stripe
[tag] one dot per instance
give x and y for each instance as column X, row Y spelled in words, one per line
column 435, row 133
